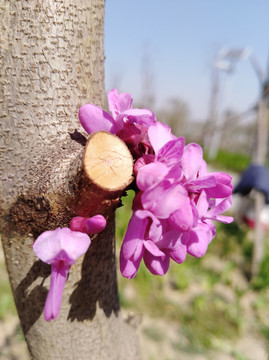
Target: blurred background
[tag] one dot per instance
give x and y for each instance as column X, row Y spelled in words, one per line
column 203, row 68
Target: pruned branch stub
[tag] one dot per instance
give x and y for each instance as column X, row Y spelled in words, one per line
column 108, row 162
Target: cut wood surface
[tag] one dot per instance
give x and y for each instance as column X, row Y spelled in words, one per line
column 108, row 161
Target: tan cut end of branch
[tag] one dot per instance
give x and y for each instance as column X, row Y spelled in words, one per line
column 108, row 162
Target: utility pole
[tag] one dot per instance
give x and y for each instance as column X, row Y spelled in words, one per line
column 211, row 123
column 225, row 61
column 259, row 200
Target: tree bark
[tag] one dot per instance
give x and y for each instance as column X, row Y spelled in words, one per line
column 52, row 62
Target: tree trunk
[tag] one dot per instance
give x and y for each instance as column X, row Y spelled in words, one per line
column 52, row 62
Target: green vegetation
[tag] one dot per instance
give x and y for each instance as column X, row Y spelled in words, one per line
column 153, row 333
column 230, row 161
column 261, row 281
column 238, row 356
column 7, row 305
column 201, row 295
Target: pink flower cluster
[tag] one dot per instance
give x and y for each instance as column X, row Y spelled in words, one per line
column 177, row 198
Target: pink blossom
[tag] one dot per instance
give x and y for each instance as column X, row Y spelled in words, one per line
column 139, row 243
column 60, row 248
column 175, row 205
column 92, row 225
column 129, row 124
column 203, row 231
column 152, row 239
column 159, row 135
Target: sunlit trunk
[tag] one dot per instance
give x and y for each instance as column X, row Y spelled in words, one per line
column 52, row 62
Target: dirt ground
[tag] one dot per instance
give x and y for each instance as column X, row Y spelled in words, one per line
column 164, row 340
column 160, row 344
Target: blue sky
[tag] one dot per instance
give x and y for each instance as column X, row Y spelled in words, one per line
column 180, row 39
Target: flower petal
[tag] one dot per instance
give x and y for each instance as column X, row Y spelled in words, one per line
column 221, row 207
column 149, row 175
column 129, row 266
column 163, row 199
column 154, row 226
column 61, row 244
column 92, row 225
column 203, row 169
column 182, row 218
column 130, row 134
column 206, row 182
column 159, row 134
column 59, row 272
column 169, row 238
column 77, row 223
column 125, row 102
column 118, row 103
column 202, row 204
column 197, row 239
column 142, row 161
column 95, row 224
column 171, row 153
column 192, row 160
column 178, row 254
column 134, row 234
column 157, row 265
column 153, row 249
column 92, row 118
column 140, row 116
column 223, row 187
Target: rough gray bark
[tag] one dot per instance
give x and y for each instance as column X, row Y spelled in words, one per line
column 52, row 62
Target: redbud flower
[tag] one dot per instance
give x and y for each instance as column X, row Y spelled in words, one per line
column 60, row 248
column 175, row 205
column 92, row 225
column 129, row 124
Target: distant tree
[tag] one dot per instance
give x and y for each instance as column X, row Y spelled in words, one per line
column 175, row 114
column 148, row 79
column 237, row 134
